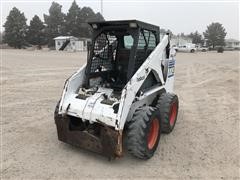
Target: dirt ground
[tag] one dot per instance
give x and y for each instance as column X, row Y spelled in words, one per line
column 204, row 144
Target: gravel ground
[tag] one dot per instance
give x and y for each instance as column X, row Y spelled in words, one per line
column 204, row 143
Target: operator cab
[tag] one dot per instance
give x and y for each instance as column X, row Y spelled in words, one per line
column 118, row 49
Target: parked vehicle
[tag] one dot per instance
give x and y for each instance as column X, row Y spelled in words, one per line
column 202, row 48
column 186, row 48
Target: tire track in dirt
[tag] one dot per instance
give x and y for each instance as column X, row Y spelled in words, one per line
column 200, row 147
column 207, row 149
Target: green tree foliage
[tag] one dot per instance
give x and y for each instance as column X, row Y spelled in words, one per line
column 77, row 18
column 15, row 29
column 215, row 35
column 36, row 33
column 164, row 31
column 1, row 37
column 73, row 21
column 196, row 38
column 99, row 17
column 55, row 22
column 86, row 14
column 183, row 35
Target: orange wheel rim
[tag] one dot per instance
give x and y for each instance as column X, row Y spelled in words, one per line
column 153, row 133
column 173, row 113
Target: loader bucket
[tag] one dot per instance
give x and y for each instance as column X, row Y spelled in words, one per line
column 108, row 143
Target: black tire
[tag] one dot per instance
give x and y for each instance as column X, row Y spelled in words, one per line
column 192, row 51
column 56, row 115
column 142, row 133
column 168, row 107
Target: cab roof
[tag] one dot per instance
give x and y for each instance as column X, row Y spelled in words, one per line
column 126, row 23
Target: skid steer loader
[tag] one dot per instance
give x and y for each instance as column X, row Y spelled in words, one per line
column 125, row 88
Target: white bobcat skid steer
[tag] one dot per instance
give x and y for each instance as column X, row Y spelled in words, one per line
column 126, row 86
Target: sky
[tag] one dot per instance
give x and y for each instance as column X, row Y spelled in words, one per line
column 185, row 16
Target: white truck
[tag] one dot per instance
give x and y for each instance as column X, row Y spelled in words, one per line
column 189, row 47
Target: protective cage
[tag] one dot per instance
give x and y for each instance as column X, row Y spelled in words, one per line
column 104, row 53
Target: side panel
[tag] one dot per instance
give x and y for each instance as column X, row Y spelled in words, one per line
column 169, row 85
column 144, row 100
column 153, row 62
column 71, row 86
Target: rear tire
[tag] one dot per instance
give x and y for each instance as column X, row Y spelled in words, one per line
column 143, row 132
column 168, row 107
column 56, row 115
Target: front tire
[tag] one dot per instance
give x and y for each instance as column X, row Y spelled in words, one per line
column 143, row 132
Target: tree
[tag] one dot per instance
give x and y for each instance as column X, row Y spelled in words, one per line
column 182, row 35
column 54, row 22
column 196, row 38
column 86, row 14
column 36, row 33
column 164, row 31
column 73, row 21
column 99, row 17
column 215, row 35
column 77, row 18
column 15, row 29
column 2, row 34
